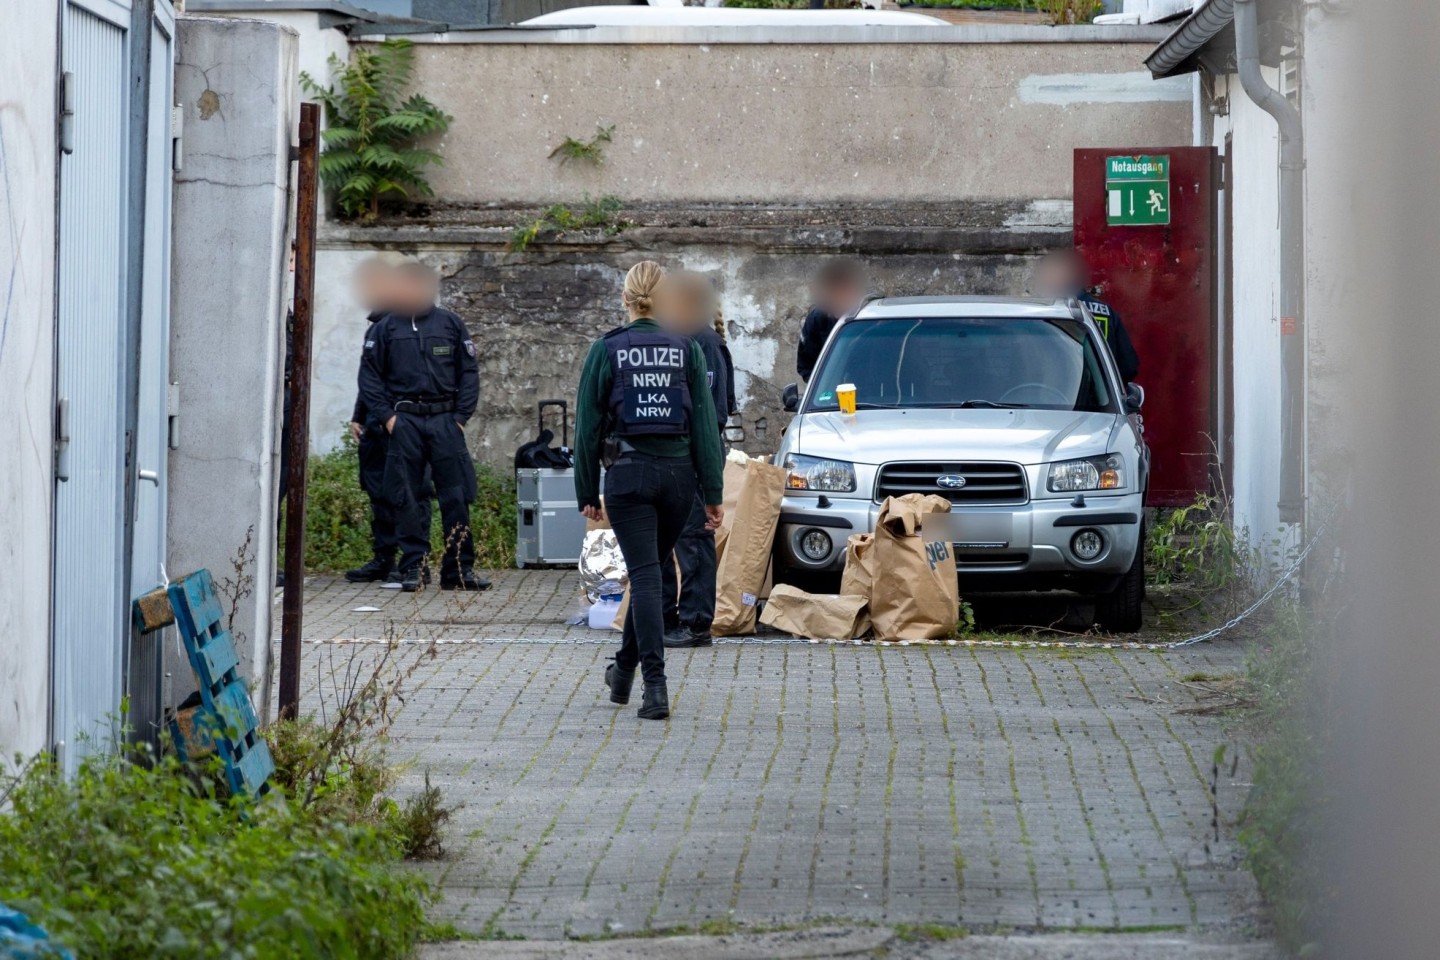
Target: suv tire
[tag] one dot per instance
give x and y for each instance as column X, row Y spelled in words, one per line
column 1122, row 610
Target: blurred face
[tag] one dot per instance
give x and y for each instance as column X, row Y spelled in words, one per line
column 1058, row 275
column 841, row 297
column 372, row 287
column 414, row 289
column 681, row 306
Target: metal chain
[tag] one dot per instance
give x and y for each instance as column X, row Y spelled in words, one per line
column 1263, row 599
column 1285, row 577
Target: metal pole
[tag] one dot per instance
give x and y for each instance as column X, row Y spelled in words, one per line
column 293, row 611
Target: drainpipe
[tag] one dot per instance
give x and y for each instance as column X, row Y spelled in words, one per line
column 1292, row 260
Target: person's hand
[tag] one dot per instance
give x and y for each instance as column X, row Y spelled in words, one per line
column 714, row 515
column 356, row 430
column 390, row 424
column 593, row 513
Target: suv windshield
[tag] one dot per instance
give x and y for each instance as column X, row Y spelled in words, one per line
column 963, row 362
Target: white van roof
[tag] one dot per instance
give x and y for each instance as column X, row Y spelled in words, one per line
column 636, row 16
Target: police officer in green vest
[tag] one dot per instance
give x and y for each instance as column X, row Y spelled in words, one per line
column 641, row 391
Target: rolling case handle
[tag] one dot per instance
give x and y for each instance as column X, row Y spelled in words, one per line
column 564, row 418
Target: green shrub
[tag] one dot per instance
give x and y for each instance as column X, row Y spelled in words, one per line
column 337, row 515
column 136, row 860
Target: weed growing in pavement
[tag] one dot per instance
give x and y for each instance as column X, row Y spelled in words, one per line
column 337, row 766
column 592, row 150
column 929, row 932
column 337, row 514
column 137, row 856
column 1288, row 725
column 560, row 219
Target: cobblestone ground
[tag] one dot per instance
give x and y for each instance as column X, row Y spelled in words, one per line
column 990, row 788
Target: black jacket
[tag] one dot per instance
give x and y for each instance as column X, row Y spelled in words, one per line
column 1126, row 359
column 429, row 356
column 814, row 331
column 721, row 372
column 360, row 414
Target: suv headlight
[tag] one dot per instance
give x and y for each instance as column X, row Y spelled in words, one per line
column 1092, row 473
column 815, row 473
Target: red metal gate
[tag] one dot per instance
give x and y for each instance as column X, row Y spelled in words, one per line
column 1160, row 278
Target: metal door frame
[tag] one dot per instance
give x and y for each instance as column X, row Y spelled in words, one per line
column 147, row 407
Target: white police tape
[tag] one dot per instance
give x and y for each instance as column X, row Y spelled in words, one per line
column 1010, row 644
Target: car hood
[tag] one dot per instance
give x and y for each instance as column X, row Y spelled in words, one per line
column 1018, row 436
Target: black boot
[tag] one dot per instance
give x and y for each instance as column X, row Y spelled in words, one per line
column 619, row 681
column 656, row 703
column 411, row 579
column 376, row 571
column 466, row 581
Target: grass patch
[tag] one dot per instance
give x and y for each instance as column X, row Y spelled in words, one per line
column 1281, row 827
column 149, row 859
column 337, row 515
column 929, row 932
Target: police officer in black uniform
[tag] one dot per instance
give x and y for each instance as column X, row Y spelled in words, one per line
column 1063, row 274
column 643, row 388
column 419, row 377
column 688, row 307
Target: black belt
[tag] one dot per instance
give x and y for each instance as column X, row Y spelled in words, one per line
column 424, row 407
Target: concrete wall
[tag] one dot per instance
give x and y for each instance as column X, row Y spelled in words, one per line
column 235, row 80
column 794, row 119
column 28, row 49
column 1255, row 301
column 534, row 314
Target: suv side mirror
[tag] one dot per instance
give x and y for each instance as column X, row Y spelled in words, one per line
column 1134, row 397
column 791, row 397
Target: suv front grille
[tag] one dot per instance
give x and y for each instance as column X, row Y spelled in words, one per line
column 1000, row 483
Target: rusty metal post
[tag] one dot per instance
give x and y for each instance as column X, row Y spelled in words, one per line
column 307, row 190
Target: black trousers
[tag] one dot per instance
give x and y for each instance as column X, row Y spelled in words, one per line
column 384, row 535
column 693, row 603
column 647, row 500
column 436, row 442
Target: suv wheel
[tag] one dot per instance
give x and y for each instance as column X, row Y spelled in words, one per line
column 1122, row 609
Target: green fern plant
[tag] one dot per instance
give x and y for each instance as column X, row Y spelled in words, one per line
column 372, row 127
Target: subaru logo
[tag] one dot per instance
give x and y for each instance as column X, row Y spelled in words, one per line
column 950, row 482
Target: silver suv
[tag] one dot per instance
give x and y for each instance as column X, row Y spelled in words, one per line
column 1010, row 408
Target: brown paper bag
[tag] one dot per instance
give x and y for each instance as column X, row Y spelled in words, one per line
column 859, row 575
column 914, row 595
column 813, row 615
column 755, row 489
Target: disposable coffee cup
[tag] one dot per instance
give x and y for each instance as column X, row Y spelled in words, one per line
column 845, row 395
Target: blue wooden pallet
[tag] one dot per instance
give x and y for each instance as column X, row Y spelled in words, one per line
column 223, row 694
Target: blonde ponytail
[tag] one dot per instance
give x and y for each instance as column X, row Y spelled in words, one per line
column 720, row 323
column 640, row 284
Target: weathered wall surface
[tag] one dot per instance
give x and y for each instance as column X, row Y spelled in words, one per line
column 797, row 121
column 235, row 81
column 534, row 314
column 27, row 331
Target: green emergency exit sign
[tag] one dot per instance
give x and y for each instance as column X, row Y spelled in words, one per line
column 1137, row 191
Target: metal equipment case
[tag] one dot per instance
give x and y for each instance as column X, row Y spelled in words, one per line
column 549, row 525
